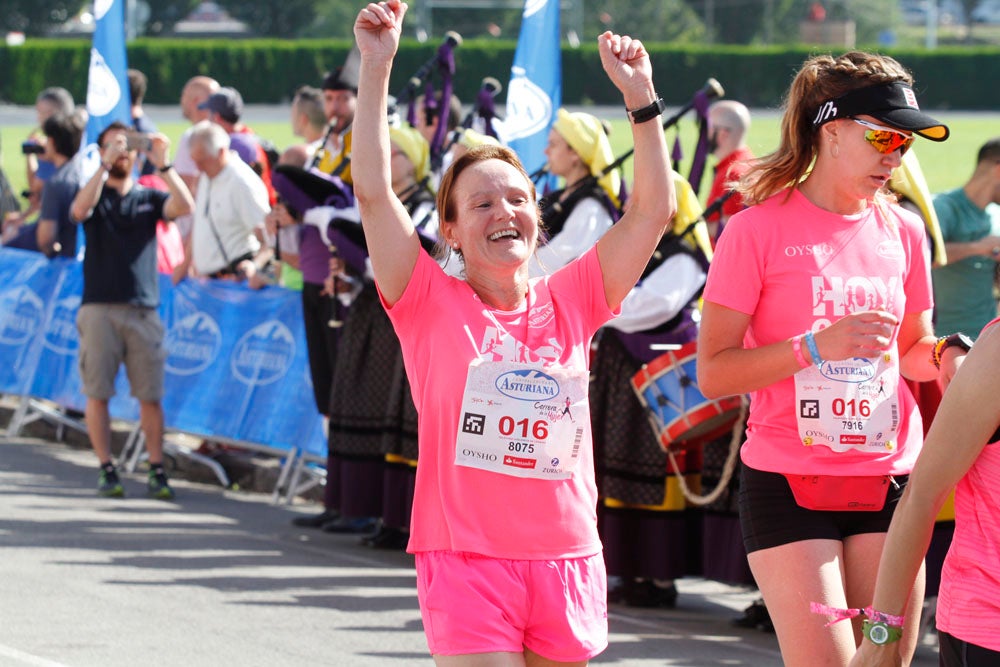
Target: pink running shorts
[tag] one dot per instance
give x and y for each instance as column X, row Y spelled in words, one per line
column 476, row 604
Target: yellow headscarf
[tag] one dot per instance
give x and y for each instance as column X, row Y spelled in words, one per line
column 908, row 180
column 411, row 142
column 470, row 139
column 585, row 135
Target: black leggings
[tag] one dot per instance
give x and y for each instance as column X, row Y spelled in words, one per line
column 957, row 653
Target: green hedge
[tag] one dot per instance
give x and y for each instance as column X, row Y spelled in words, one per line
column 268, row 71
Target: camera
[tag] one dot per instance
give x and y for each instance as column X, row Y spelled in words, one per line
column 138, row 141
column 32, row 148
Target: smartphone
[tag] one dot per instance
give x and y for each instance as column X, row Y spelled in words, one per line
column 138, row 141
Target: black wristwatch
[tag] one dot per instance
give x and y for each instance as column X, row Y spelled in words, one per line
column 954, row 340
column 648, row 112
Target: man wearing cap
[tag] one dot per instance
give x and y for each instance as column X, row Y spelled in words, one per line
column 340, row 90
column 225, row 108
column 230, row 207
column 970, row 225
column 728, row 124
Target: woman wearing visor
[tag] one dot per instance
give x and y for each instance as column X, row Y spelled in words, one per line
column 817, row 301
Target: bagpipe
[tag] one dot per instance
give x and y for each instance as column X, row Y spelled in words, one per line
column 483, row 110
column 699, row 102
column 443, row 63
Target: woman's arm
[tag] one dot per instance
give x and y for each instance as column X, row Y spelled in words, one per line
column 393, row 245
column 968, row 415
column 916, row 341
column 626, row 248
column 726, row 368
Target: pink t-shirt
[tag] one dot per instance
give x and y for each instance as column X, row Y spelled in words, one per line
column 968, row 605
column 442, row 327
column 794, row 267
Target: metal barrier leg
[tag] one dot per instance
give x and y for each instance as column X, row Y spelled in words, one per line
column 286, row 469
column 133, row 449
column 17, row 420
column 210, row 463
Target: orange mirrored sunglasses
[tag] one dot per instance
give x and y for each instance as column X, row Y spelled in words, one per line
column 885, row 140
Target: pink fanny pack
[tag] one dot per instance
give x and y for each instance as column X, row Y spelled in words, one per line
column 830, row 493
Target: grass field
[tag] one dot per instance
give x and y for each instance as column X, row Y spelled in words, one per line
column 946, row 165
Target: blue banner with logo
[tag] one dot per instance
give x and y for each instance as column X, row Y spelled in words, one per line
column 236, row 366
column 27, row 284
column 108, row 97
column 535, row 89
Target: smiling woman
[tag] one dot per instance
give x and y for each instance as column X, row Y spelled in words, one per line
column 499, row 375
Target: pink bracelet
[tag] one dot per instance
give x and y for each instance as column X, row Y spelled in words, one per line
column 869, row 612
column 797, row 349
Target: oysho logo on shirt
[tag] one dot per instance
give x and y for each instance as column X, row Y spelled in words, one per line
column 890, row 250
column 817, row 250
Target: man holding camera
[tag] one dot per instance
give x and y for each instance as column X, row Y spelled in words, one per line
column 54, row 233
column 118, row 320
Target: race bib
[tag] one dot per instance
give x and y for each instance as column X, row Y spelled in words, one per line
column 523, row 420
column 849, row 404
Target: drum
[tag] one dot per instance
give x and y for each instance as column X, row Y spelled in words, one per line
column 678, row 412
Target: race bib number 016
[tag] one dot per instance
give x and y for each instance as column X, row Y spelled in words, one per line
column 850, row 404
column 523, row 420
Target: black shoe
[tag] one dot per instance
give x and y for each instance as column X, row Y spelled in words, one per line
column 392, row 539
column 646, row 593
column 316, row 520
column 351, row 526
column 755, row 616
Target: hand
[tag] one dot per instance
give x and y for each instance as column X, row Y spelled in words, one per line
column 863, row 334
column 258, row 280
column 987, row 245
column 869, row 655
column 114, row 150
column 180, row 272
column 626, row 62
column 246, row 269
column 378, row 28
column 157, row 153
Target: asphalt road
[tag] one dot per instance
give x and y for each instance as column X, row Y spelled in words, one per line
column 223, row 578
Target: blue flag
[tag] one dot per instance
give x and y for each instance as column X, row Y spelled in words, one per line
column 535, row 89
column 108, row 97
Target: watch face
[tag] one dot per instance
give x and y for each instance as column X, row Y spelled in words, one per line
column 878, row 634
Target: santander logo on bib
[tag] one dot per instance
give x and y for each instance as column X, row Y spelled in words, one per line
column 528, row 385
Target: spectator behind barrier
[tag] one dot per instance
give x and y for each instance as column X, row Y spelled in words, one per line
column 227, row 238
column 54, row 233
